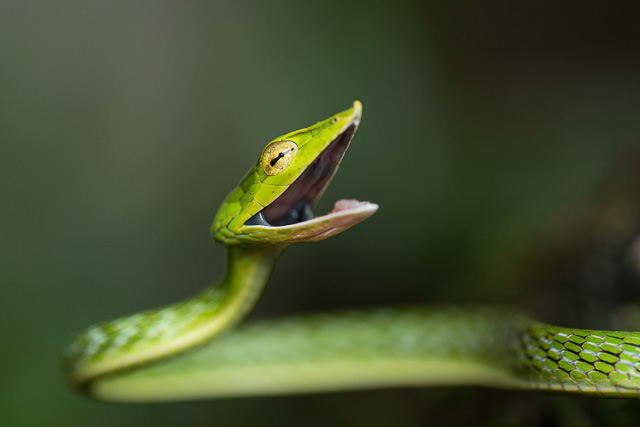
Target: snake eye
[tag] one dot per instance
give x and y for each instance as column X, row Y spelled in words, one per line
column 278, row 156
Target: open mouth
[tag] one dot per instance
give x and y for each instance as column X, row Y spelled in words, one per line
column 294, row 205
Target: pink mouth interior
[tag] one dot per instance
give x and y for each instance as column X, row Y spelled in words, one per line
column 344, row 204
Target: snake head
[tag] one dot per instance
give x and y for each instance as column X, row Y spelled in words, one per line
column 273, row 203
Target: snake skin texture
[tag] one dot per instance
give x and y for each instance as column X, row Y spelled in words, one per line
column 588, row 361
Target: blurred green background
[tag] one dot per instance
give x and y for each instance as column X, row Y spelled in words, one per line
column 124, row 124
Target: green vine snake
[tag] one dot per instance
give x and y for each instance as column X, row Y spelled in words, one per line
column 188, row 350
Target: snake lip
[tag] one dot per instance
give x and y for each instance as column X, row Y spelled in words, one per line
column 294, row 205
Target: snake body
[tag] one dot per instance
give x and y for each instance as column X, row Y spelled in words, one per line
column 184, row 351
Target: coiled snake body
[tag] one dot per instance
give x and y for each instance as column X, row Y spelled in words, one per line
column 183, row 351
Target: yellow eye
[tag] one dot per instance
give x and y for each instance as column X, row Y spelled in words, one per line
column 278, row 156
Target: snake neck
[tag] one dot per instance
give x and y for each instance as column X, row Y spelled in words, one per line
column 150, row 336
column 248, row 271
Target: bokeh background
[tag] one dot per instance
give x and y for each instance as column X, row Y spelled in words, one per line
column 500, row 142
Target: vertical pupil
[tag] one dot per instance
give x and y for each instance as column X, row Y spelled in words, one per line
column 275, row 159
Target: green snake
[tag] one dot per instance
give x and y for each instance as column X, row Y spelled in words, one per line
column 188, row 350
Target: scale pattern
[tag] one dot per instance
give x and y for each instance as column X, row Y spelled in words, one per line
column 119, row 338
column 588, row 361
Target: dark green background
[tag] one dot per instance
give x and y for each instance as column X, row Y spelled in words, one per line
column 124, row 124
